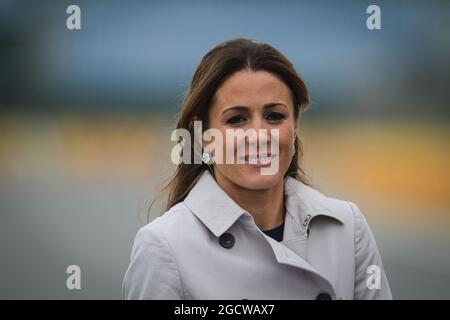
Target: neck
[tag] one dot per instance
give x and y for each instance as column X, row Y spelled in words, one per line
column 266, row 206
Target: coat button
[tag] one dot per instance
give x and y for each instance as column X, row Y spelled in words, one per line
column 323, row 296
column 227, row 240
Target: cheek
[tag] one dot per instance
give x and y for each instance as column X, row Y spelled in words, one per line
column 286, row 138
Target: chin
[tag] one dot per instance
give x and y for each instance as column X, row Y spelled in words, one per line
column 254, row 180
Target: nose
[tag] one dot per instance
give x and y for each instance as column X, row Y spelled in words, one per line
column 260, row 137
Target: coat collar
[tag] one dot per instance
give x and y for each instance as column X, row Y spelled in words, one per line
column 214, row 207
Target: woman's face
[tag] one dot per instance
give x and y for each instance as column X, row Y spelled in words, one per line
column 254, row 100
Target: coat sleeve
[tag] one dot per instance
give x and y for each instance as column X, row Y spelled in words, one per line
column 153, row 271
column 371, row 282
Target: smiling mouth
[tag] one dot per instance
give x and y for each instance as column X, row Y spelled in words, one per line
column 258, row 160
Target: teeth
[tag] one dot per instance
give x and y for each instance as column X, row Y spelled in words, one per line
column 258, row 159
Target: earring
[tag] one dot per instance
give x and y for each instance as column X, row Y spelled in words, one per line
column 293, row 148
column 206, row 157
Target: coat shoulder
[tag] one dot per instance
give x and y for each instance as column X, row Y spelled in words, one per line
column 172, row 222
column 343, row 210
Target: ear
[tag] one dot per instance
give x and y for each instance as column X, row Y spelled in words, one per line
column 199, row 139
column 194, row 118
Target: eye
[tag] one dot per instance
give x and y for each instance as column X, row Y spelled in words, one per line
column 236, row 119
column 275, row 116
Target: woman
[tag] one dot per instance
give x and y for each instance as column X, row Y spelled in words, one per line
column 231, row 232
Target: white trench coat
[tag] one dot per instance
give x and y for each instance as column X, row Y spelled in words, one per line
column 207, row 247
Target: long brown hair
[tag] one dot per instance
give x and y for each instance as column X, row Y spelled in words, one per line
column 215, row 67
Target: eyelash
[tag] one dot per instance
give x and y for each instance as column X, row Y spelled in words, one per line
column 279, row 117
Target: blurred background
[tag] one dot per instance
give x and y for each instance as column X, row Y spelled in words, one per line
column 86, row 117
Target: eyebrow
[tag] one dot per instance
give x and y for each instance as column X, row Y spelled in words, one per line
column 265, row 106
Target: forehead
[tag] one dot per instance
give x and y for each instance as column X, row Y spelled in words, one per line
column 252, row 88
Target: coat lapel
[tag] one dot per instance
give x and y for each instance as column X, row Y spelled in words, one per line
column 218, row 212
